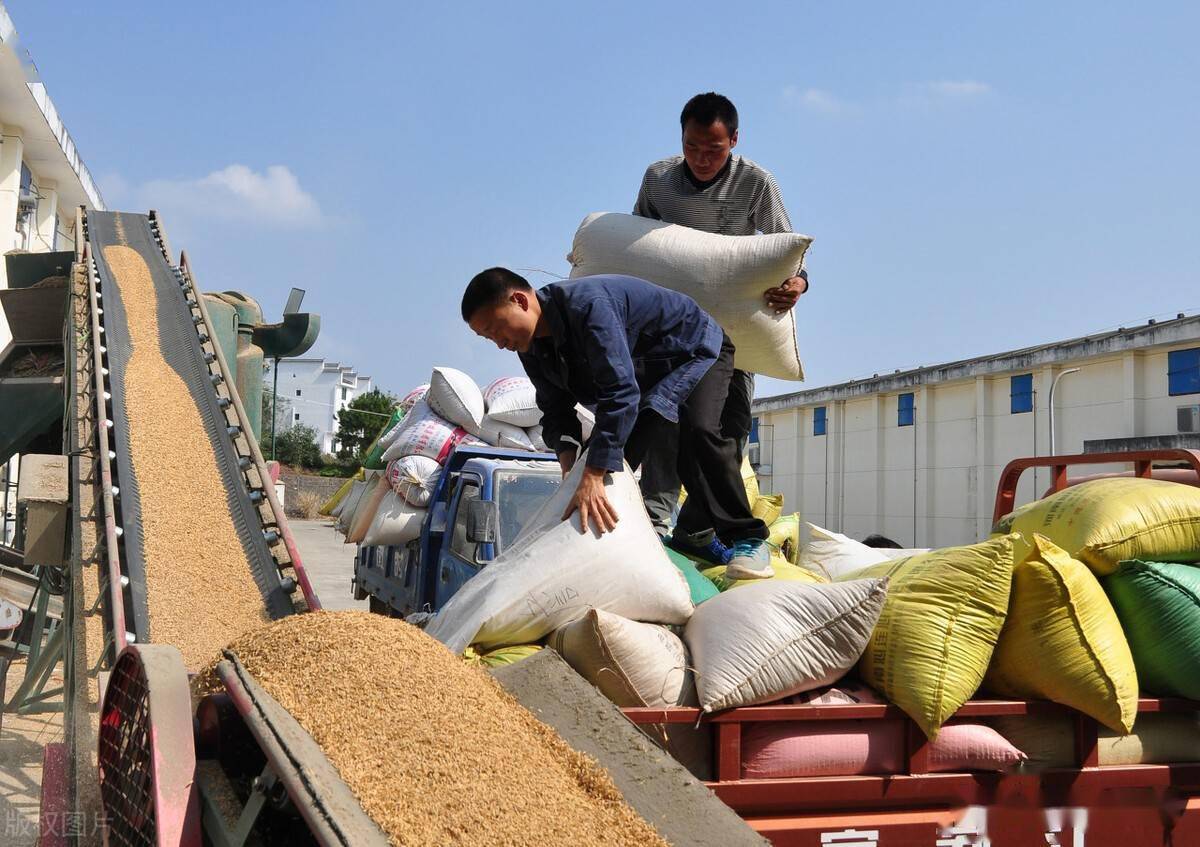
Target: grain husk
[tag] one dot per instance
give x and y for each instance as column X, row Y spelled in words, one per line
column 435, row 750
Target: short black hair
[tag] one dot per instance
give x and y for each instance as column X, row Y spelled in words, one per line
column 881, row 541
column 490, row 287
column 706, row 109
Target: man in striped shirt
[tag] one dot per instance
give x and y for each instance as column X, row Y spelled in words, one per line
column 710, row 189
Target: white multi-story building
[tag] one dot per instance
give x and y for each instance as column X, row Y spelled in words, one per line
column 42, row 177
column 917, row 455
column 42, row 182
column 313, row 391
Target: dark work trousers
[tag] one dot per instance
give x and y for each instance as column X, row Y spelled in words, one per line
column 709, row 456
column 660, row 479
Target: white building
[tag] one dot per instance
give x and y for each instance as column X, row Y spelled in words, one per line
column 42, row 182
column 42, row 177
column 314, row 391
column 917, row 455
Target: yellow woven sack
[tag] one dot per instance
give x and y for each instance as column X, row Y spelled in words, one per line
column 783, row 570
column 767, row 507
column 1104, row 521
column 1063, row 642
column 340, row 494
column 785, row 534
column 943, row 614
column 500, row 656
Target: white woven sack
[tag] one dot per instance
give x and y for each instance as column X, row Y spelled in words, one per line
column 413, row 478
column 725, row 274
column 423, row 433
column 554, row 573
column 632, row 663
column 501, row 434
column 832, row 554
column 776, row 637
column 395, row 523
column 345, row 514
column 456, row 397
column 587, row 421
column 535, row 437
column 512, row 400
column 411, row 398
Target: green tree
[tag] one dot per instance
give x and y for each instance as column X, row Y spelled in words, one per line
column 361, row 422
column 297, row 446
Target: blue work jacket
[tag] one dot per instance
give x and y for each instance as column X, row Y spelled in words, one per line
column 617, row 344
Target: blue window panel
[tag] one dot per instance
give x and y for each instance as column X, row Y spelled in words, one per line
column 819, row 420
column 904, row 414
column 1020, row 394
column 1183, row 372
column 754, row 430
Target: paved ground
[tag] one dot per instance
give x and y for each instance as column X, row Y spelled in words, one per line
column 328, row 561
column 21, row 743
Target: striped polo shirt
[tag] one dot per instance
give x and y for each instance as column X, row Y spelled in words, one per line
column 742, row 199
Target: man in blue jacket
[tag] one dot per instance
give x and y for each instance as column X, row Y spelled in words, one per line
column 645, row 358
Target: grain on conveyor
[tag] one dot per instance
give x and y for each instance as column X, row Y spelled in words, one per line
column 199, row 589
column 435, row 750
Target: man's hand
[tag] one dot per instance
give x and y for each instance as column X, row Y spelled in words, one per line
column 592, row 502
column 784, row 297
column 566, row 461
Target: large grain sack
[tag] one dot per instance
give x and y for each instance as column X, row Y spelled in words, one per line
column 368, row 507
column 454, row 396
column 412, row 398
column 501, row 434
column 332, row 506
column 535, row 437
column 1158, row 738
column 1158, row 605
column 424, row 433
column 767, row 641
column 832, row 554
column 348, row 506
column 374, row 457
column 1105, row 521
column 901, row 552
column 699, row 585
column 633, row 664
column 1062, row 641
column 395, row 522
column 502, row 656
column 939, row 626
column 767, row 507
column 725, row 274
column 554, row 574
column 414, row 478
column 785, row 536
column 512, row 400
column 792, row 749
column 784, row 571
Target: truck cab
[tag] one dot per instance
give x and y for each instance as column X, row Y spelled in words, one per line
column 483, row 499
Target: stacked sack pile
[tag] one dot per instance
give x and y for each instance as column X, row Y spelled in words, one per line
column 386, row 503
column 1099, row 583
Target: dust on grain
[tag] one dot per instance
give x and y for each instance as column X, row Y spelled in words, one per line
column 435, row 750
column 199, row 589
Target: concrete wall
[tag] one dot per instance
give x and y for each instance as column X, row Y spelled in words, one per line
column 296, row 484
column 934, row 484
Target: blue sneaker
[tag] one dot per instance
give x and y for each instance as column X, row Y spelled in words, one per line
column 713, row 552
column 751, row 560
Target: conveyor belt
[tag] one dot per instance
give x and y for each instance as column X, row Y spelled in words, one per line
column 180, row 346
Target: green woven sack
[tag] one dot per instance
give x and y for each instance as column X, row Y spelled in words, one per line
column 699, row 585
column 1159, row 607
column 374, row 459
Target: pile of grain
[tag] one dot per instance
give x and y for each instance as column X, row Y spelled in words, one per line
column 436, row 752
column 199, row 588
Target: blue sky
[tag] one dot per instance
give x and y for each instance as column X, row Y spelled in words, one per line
column 976, row 179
